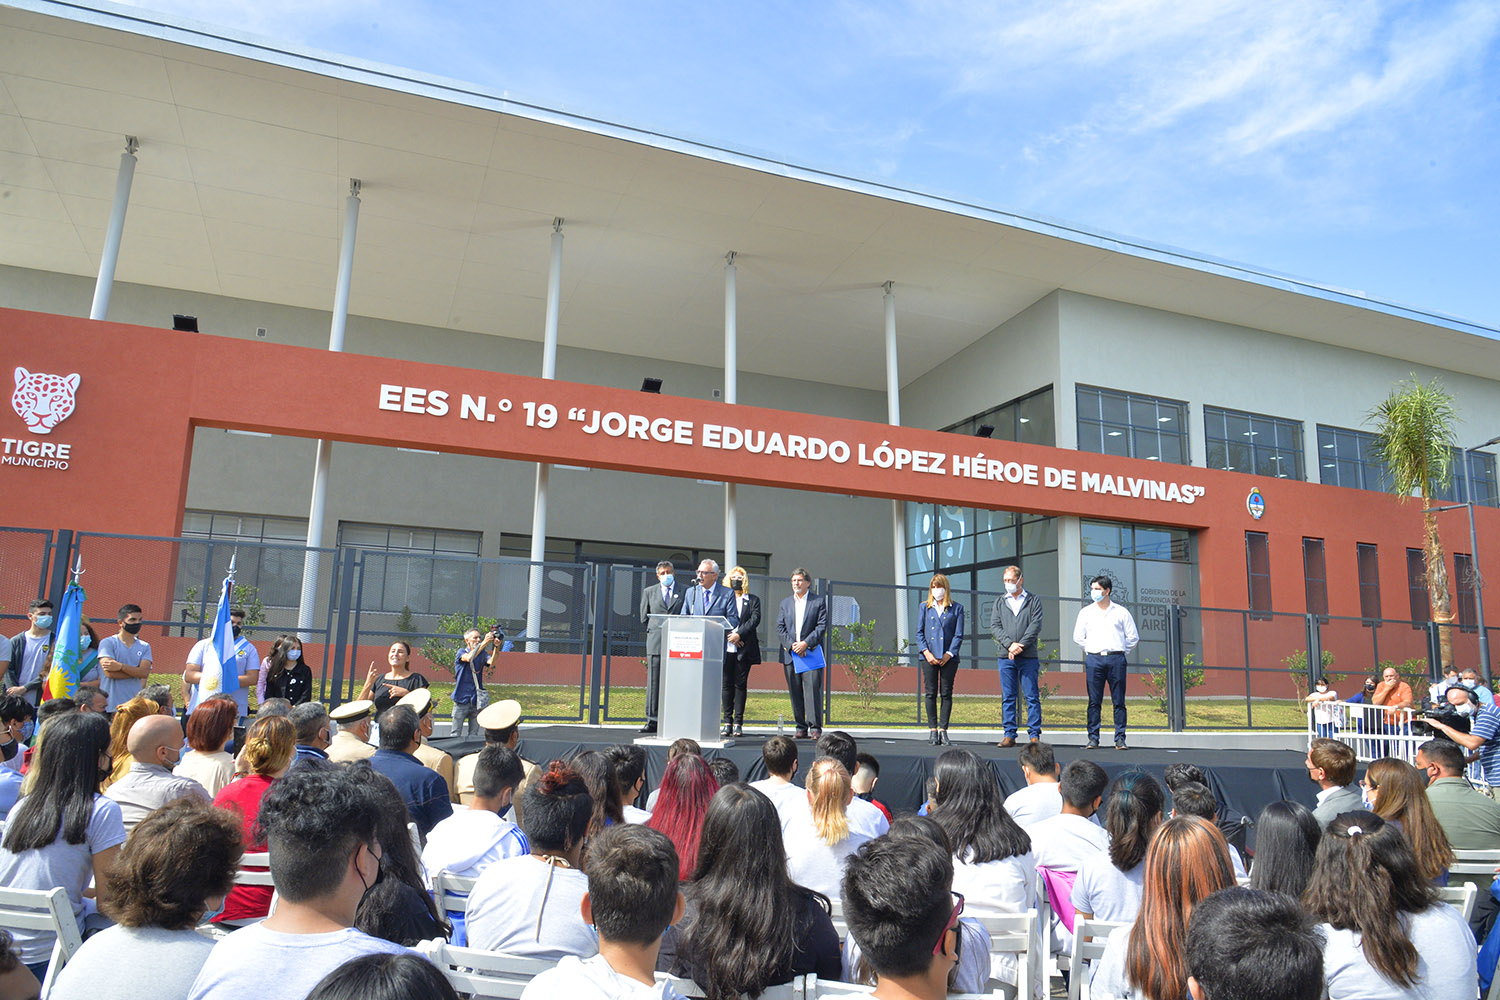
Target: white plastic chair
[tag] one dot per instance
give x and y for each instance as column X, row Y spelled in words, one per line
column 43, row 910
column 1460, row 897
column 1089, row 940
column 1015, row 935
column 484, row 975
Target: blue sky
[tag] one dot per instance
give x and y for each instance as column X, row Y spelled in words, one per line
column 1354, row 143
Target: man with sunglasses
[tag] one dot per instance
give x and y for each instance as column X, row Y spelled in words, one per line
column 899, row 903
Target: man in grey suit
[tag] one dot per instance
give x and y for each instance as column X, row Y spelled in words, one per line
column 663, row 599
column 1016, row 624
column 802, row 624
column 1331, row 764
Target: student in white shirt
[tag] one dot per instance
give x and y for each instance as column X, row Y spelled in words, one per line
column 1066, row 840
column 632, row 899
column 1109, row 885
column 780, row 756
column 630, row 773
column 820, row 840
column 864, row 817
column 1042, row 797
column 992, row 862
column 1193, row 799
column 1106, row 632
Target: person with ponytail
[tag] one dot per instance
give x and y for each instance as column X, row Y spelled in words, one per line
column 1388, row 934
column 818, row 840
column 531, row 905
column 270, row 746
column 1109, row 886
column 1187, row 862
column 1397, row 793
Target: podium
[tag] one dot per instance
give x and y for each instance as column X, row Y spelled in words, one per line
column 692, row 679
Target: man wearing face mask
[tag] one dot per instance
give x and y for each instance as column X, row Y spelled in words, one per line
column 246, row 664
column 1483, row 737
column 665, row 598
column 1106, row 632
column 1016, row 624
column 155, row 745
column 17, row 726
column 125, row 660
column 1480, row 690
column 29, row 652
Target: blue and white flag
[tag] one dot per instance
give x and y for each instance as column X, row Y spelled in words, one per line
column 62, row 681
column 221, row 674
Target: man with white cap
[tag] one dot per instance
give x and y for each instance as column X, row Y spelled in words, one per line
column 420, row 701
column 501, row 723
column 351, row 742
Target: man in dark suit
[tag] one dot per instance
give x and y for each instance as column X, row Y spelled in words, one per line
column 801, row 624
column 663, row 599
column 707, row 597
column 1016, row 624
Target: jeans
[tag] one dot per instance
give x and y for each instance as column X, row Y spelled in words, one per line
column 465, row 714
column 1024, row 669
column 932, row 676
column 1102, row 669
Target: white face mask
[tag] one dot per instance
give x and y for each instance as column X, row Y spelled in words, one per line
column 1464, row 709
column 1322, row 687
column 937, row 593
column 1011, row 587
column 1096, row 594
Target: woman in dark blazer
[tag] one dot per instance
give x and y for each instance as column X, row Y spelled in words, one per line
column 940, row 632
column 745, row 644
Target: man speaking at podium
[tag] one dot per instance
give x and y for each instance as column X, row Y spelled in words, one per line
column 706, row 597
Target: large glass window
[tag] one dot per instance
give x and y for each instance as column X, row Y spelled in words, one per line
column 1481, row 480
column 274, row 572
column 1150, row 568
column 1315, row 572
column 1123, row 423
column 1416, row 586
column 1463, row 571
column 1258, row 568
column 684, row 560
column 1369, row 581
column 423, row 570
column 1027, row 419
column 1252, row 442
column 1350, row 458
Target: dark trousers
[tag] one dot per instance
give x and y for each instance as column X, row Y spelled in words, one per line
column 1019, row 677
column 806, row 690
column 736, row 680
column 653, row 685
column 932, row 676
column 1108, row 668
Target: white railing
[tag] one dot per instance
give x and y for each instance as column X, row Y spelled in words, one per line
column 1373, row 731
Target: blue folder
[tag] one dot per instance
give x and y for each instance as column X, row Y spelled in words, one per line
column 812, row 661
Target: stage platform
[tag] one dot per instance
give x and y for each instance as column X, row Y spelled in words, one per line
column 1246, row 780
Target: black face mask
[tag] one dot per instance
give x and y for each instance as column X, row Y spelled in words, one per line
column 132, row 628
column 236, row 629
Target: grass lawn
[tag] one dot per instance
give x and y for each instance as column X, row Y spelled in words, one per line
column 626, row 704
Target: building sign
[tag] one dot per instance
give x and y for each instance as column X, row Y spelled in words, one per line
column 42, row 401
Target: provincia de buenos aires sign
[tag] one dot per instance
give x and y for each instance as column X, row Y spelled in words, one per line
column 758, row 434
column 42, row 402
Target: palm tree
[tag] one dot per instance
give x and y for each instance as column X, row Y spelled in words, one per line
column 1414, row 431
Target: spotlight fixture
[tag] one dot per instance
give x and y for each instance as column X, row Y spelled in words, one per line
column 651, row 385
column 985, row 430
column 188, row 324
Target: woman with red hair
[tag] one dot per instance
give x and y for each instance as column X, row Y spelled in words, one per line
column 685, row 793
column 209, row 730
column 1187, row 862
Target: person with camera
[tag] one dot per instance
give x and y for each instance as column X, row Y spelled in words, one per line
column 1483, row 737
column 469, row 665
column 743, row 652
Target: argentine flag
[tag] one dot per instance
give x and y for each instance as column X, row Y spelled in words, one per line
column 62, row 680
column 221, row 673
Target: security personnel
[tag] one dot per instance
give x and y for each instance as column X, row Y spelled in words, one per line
column 351, row 742
column 420, row 701
column 501, row 723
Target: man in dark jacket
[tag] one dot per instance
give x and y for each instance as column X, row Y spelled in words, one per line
column 1015, row 624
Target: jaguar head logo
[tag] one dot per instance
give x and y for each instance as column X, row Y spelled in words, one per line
column 43, row 400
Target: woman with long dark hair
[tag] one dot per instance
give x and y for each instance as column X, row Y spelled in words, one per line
column 597, row 769
column 686, row 790
column 992, row 863
column 398, row 681
column 940, row 635
column 1109, row 887
column 1398, row 793
column 1388, row 934
column 399, row 906
column 1286, row 842
column 748, row 925
column 1188, row 861
column 64, row 832
column 283, row 674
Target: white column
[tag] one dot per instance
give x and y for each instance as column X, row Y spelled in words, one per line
column 307, row 606
column 731, row 395
column 543, row 470
column 116, row 229
column 893, row 416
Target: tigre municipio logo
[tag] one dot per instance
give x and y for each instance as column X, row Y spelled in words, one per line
column 43, row 400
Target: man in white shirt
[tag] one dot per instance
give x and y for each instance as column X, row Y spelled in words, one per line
column 780, row 755
column 470, row 840
column 1106, row 632
column 1065, row 840
column 155, row 746
column 1042, row 797
column 247, row 663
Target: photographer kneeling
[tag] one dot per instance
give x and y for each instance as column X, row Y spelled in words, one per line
column 1483, row 736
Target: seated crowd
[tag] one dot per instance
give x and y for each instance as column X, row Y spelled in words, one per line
column 735, row 886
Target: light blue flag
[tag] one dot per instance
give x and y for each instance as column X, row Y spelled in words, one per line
column 62, row 681
column 221, row 674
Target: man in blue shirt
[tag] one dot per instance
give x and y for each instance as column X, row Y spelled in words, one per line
column 425, row 791
column 1483, row 735
column 469, row 665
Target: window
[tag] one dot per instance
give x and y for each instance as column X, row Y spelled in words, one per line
column 1027, row 419
column 1463, row 569
column 1123, row 423
column 1258, row 567
column 425, row 570
column 1249, row 442
column 1481, row 480
column 268, row 555
column 1350, row 458
column 1315, row 572
column 581, row 550
column 1416, row 586
column 1368, row 558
